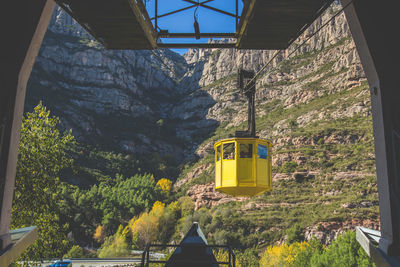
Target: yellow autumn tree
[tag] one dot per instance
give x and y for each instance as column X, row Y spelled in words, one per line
column 99, row 234
column 282, row 255
column 165, row 184
column 114, row 246
column 145, row 228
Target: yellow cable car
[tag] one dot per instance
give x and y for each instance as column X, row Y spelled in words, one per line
column 243, row 164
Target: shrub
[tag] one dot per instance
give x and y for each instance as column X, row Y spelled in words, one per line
column 345, row 251
column 165, row 184
column 289, row 167
column 294, row 234
column 75, row 252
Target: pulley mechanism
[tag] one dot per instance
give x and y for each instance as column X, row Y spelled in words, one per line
column 249, row 90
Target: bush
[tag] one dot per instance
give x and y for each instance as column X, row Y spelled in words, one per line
column 294, row 234
column 289, row 167
column 114, row 246
column 345, row 251
column 75, row 252
column 248, row 258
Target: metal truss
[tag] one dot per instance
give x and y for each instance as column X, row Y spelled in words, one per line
column 163, row 33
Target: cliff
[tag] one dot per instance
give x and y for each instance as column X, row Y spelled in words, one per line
column 314, row 106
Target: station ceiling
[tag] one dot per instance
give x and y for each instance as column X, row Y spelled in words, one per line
column 262, row 24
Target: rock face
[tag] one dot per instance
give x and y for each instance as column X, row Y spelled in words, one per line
column 206, row 196
column 329, row 231
column 121, row 98
column 144, row 102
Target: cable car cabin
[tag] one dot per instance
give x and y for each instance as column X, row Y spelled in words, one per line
column 243, row 166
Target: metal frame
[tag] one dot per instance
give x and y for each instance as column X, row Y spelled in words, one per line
column 247, row 86
column 372, row 27
column 21, row 240
column 369, row 241
column 146, row 255
column 165, row 34
column 15, row 70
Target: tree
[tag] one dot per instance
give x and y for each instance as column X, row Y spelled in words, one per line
column 344, row 251
column 115, row 246
column 41, row 157
column 145, row 228
column 165, row 184
column 99, row 235
column 282, row 255
column 75, row 252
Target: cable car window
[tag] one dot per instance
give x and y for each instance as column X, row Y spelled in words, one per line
column 218, row 153
column 229, row 151
column 246, row 151
column 262, row 152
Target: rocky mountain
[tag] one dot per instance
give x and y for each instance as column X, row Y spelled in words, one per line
column 116, row 98
column 314, row 106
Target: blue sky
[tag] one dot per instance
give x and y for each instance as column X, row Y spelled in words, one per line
column 209, row 20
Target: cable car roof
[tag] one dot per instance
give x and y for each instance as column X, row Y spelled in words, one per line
column 262, row 24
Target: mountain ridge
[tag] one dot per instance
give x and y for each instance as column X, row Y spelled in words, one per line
column 314, row 106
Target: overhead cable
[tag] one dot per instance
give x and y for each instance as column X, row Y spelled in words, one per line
column 300, row 45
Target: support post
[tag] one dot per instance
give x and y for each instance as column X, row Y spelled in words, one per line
column 25, row 23
column 374, row 26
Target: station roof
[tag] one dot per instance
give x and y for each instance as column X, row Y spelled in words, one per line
column 262, row 24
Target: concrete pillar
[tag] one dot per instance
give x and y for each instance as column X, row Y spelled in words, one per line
column 23, row 25
column 374, row 26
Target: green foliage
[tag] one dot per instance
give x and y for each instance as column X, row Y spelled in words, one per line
column 187, row 205
column 248, row 258
column 305, row 256
column 289, row 167
column 345, row 251
column 41, row 157
column 93, row 165
column 294, row 234
column 107, row 205
column 114, row 246
column 75, row 252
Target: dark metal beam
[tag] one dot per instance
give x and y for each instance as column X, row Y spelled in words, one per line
column 192, row 35
column 374, row 28
column 211, row 8
column 194, row 45
column 156, row 15
column 29, row 21
column 178, row 10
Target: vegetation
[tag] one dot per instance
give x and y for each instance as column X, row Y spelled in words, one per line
column 41, row 157
column 58, row 208
column 119, row 202
column 345, row 251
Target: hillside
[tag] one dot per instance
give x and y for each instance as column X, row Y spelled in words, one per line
column 315, row 108
column 162, row 112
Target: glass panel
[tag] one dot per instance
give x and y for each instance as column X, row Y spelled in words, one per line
column 246, row 151
column 262, row 152
column 229, row 151
column 218, row 153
